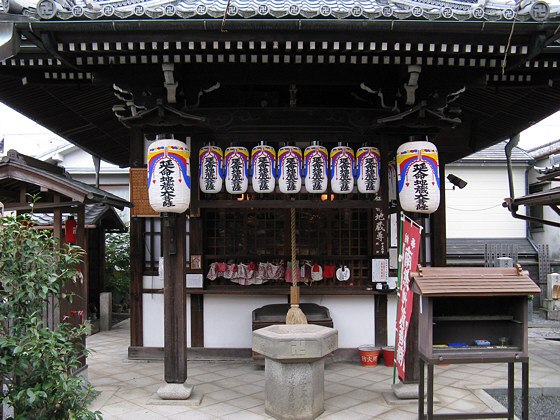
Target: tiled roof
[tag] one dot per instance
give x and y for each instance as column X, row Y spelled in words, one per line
column 458, row 10
column 98, row 215
column 16, row 169
column 497, row 153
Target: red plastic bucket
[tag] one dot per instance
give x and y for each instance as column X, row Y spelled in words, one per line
column 369, row 355
column 388, row 356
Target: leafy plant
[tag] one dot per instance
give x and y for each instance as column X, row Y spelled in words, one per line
column 117, row 262
column 37, row 363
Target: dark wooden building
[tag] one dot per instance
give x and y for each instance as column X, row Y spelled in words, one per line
column 109, row 76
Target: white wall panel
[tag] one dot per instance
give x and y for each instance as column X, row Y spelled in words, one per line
column 228, row 319
column 476, row 211
column 353, row 317
column 152, row 319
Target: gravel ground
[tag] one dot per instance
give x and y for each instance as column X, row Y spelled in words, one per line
column 540, row 407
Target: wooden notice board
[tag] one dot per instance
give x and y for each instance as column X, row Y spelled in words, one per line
column 139, row 194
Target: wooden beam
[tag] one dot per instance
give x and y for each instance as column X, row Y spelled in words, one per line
column 286, row 204
column 65, row 205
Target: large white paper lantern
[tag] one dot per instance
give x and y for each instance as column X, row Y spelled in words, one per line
column 315, row 172
column 368, row 161
column 169, row 176
column 263, row 168
column 342, row 170
column 392, row 180
column 289, row 169
column 237, row 170
column 418, row 176
column 210, row 169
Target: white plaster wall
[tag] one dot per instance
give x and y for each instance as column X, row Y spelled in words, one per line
column 391, row 319
column 152, row 319
column 476, row 211
column 228, row 320
column 353, row 317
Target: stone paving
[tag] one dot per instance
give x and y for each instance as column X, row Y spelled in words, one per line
column 235, row 389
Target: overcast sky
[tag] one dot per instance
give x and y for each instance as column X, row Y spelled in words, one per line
column 29, row 138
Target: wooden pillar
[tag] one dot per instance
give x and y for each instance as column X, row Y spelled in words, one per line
column 75, row 312
column 136, row 269
column 412, row 372
column 439, row 227
column 53, row 308
column 197, row 300
column 81, row 240
column 196, row 247
column 175, row 318
column 381, row 246
column 136, row 160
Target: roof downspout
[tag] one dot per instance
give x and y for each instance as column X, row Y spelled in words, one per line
column 509, row 147
column 509, row 202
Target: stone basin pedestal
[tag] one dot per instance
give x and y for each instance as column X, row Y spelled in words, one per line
column 294, row 368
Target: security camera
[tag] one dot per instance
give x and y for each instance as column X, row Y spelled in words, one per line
column 455, row 180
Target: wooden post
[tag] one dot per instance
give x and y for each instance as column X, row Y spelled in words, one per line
column 137, row 243
column 136, row 268
column 173, row 229
column 438, row 226
column 381, row 246
column 412, row 372
column 197, row 300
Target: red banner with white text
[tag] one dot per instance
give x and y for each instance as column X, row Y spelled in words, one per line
column 408, row 260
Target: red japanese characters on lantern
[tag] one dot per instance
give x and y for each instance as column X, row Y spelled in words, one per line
column 210, row 169
column 368, row 162
column 237, row 170
column 342, row 170
column 289, row 169
column 418, row 177
column 263, row 168
column 169, row 176
column 316, row 166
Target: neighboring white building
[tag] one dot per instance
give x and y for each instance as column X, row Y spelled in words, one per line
column 477, row 222
column 476, row 211
column 82, row 167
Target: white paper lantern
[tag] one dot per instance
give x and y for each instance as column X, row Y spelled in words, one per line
column 392, row 178
column 210, row 169
column 289, row 169
column 263, row 168
column 418, row 176
column 368, row 162
column 316, row 165
column 342, row 170
column 169, row 176
column 237, row 170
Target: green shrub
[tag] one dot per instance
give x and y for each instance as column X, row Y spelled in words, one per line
column 37, row 363
column 117, row 263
